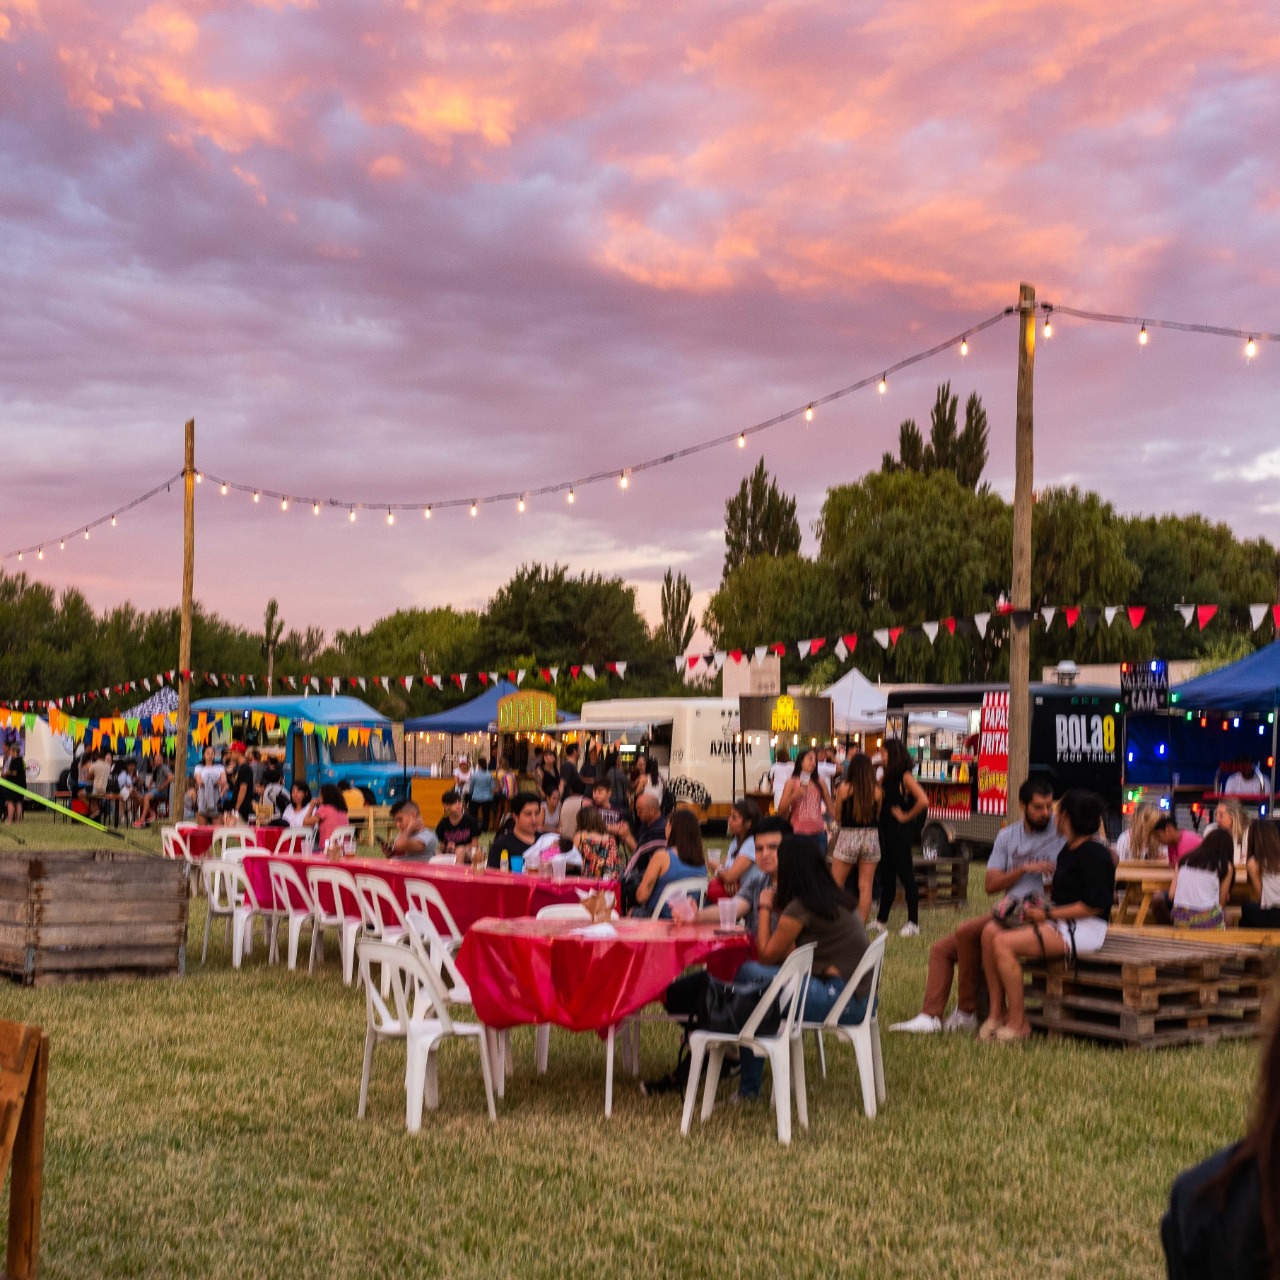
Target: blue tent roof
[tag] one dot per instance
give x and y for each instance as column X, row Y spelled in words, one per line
column 318, row 709
column 1252, row 684
column 471, row 717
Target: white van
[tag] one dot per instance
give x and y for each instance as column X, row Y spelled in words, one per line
column 46, row 755
column 693, row 741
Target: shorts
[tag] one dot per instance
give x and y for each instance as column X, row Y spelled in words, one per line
column 857, row 844
column 1189, row 918
column 1090, row 934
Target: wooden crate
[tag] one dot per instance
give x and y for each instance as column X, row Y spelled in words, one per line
column 74, row 915
column 1152, row 993
column 942, row 882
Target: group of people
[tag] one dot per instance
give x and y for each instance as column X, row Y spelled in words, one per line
column 126, row 788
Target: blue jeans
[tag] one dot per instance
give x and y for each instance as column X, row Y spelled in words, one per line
column 823, row 993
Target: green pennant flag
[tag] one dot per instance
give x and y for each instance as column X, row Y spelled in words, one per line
column 226, row 724
column 132, row 725
column 29, row 720
column 128, row 744
column 171, row 743
column 284, row 723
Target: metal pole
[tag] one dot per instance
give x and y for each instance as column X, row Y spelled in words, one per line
column 1271, row 794
column 1020, row 619
column 184, row 630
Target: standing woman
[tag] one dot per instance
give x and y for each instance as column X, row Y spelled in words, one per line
column 482, row 794
column 857, row 800
column 903, row 802
column 15, row 771
column 806, row 801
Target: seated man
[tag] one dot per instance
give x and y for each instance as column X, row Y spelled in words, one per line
column 1246, row 781
column 157, row 794
column 414, row 840
column 525, row 810
column 458, row 830
column 762, row 874
column 1024, row 854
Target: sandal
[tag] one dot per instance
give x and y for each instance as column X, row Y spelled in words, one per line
column 1007, row 1035
column 989, row 1029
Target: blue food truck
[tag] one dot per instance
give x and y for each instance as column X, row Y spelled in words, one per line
column 361, row 751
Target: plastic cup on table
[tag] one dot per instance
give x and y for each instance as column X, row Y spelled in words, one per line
column 533, row 863
column 558, row 864
column 728, row 908
column 683, row 909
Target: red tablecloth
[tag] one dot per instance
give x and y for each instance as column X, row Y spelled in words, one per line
column 200, row 839
column 528, row 971
column 469, row 895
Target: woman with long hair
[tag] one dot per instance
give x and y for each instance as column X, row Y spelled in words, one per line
column 903, row 802
column 741, row 854
column 1229, row 815
column 683, row 859
column 805, row 800
column 328, row 815
column 1138, row 843
column 857, row 801
column 806, row 906
column 599, row 850
column 1264, row 877
column 1202, row 882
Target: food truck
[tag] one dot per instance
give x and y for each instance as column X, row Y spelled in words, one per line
column 315, row 739
column 964, row 770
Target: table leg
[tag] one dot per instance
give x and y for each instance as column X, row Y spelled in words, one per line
column 608, row 1074
column 1143, row 908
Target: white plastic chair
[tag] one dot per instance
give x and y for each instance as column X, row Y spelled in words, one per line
column 412, row 981
column 380, row 1024
column 231, row 897
column 424, row 938
column 443, row 860
column 864, row 1036
column 348, row 923
column 286, row 886
column 231, row 842
column 425, row 897
column 784, row 1049
column 694, row 886
column 377, row 901
column 174, row 845
column 344, row 835
column 295, row 841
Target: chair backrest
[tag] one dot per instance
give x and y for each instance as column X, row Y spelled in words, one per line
column 424, row 938
column 789, row 988
column 231, row 842
column 226, row 885
column 565, row 911
column 694, row 886
column 287, row 888
column 186, row 826
column 425, row 897
column 411, row 978
column 297, row 840
column 343, row 834
column 872, row 963
column 377, row 901
column 172, row 844
column 339, row 882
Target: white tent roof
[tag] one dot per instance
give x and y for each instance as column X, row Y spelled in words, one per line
column 858, row 706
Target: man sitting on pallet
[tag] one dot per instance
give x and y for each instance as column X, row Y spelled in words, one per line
column 1024, row 856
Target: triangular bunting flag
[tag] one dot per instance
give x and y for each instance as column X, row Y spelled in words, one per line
column 438, row 681
column 620, row 670
column 816, row 643
column 1072, row 615
column 840, row 651
column 493, row 677
column 693, row 659
column 146, row 684
column 1091, row 616
column 736, row 655
column 1256, row 614
column 408, row 683
column 1136, row 613
column 679, row 664
column 1048, row 613
column 930, row 630
column 718, row 659
column 315, row 683
column 881, row 637
column 555, row 673
column 778, row 649
column 511, row 676
column 804, row 646
column 894, row 633
column 520, row 677
column 759, row 651
column 456, row 679
column 587, row 670
column 1275, row 616
column 980, row 621
column 545, row 673
column 950, row 624
column 335, row 683
column 463, row 676
column 1109, row 613
column 483, row 677
column 351, row 680
column 1204, row 614
column 1188, row 612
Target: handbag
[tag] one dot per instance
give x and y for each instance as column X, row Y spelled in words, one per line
column 1010, row 912
column 726, row 1007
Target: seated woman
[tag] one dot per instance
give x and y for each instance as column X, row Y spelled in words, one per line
column 328, row 815
column 1138, row 843
column 807, row 906
column 549, row 818
column 599, row 850
column 1074, row 922
column 1202, row 882
column 740, row 857
column 682, row 859
column 1229, row 816
column 299, row 807
column 1264, row 877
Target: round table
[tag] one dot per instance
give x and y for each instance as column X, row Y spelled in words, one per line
column 199, row 840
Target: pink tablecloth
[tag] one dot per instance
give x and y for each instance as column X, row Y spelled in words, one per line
column 200, row 839
column 469, row 895
column 523, row 971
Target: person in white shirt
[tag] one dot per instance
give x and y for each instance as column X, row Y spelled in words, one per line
column 299, row 805
column 827, row 767
column 780, row 774
column 1246, row 781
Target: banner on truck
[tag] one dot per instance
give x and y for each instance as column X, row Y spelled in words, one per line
column 993, row 754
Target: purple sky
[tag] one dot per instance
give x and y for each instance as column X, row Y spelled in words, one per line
column 438, row 249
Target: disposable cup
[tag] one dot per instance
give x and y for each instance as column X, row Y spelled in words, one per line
column 728, row 908
column 558, row 864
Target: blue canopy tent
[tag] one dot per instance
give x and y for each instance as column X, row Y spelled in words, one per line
column 1225, row 716
column 471, row 717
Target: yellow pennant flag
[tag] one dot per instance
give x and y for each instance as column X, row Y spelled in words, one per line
column 255, row 719
column 332, row 733
column 308, row 727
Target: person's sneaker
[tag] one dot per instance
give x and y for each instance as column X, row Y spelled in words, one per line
column 923, row 1024
column 909, row 930
column 961, row 1021
column 873, row 928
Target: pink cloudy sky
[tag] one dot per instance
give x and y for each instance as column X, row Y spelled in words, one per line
column 431, row 250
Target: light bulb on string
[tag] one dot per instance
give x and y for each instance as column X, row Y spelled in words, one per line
column 224, row 490
column 199, row 477
column 570, row 498
column 1250, row 349
column 475, row 511
column 284, row 504
column 742, row 440
column 391, row 519
column 315, row 508
column 624, row 480
column 19, row 557
column 1142, row 336
column 426, row 513
column 113, row 522
column 40, row 554
column 62, row 544
column 257, row 497
column 808, row 413
column 884, row 383
column 520, row 504
column 964, row 346
column 1048, row 327
column 86, row 535
column 351, row 515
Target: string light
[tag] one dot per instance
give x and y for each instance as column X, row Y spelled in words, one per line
column 1142, row 336
column 426, row 513
column 19, row 557
column 742, row 440
column 624, row 480
column 256, row 495
column 86, row 535
column 199, row 477
column 884, row 383
column 1250, row 348
column 284, row 504
column 224, row 490
column 391, row 519
column 40, row 554
column 475, row 511
column 351, row 515
column 1048, row 327
column 808, row 413
column 315, row 508
column 964, row 346
column 113, row 522
column 570, row 498
column 62, row 544
column 520, row 504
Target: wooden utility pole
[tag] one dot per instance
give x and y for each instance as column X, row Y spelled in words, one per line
column 1020, row 621
column 184, row 632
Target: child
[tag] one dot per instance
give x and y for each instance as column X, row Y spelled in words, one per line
column 1202, row 882
column 189, row 809
column 1264, row 877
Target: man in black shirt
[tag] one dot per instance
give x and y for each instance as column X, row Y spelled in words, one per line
column 569, row 775
column 241, row 782
column 457, row 830
column 515, row 843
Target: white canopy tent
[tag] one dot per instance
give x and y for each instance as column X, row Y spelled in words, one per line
column 858, row 706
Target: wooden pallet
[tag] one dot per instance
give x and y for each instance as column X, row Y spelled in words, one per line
column 1152, row 993
column 942, row 882
column 71, row 915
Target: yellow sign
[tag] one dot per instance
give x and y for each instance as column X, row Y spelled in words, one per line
column 786, row 716
column 525, row 711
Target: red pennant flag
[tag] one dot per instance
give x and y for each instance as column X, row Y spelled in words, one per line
column 511, row 675
column 949, row 623
column 456, row 680
column 693, row 659
column 351, row 680
column 1275, row 615
column 483, row 678
column 850, row 641
column 1072, row 613
column 815, row 645
column 1003, row 607
column 736, row 654
column 545, row 673
column 894, row 633
column 1204, row 614
column 573, row 671
column 1136, row 614
column 611, row 667
column 779, row 649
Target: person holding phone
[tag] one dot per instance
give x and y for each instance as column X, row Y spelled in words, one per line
column 806, row 801
column 414, row 841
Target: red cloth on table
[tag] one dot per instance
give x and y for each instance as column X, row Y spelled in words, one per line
column 200, row 839
column 469, row 895
column 529, row 971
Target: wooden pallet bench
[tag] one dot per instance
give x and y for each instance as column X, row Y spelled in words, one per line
column 942, row 882
column 1151, row 993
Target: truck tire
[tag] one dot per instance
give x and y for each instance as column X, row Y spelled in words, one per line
column 935, row 842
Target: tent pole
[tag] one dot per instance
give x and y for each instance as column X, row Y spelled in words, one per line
column 1271, row 784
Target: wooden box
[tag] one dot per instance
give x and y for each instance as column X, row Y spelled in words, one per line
column 77, row 915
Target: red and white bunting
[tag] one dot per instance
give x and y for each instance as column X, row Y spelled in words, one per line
column 930, row 630
column 1048, row 613
column 980, row 620
column 881, row 636
column 760, row 650
column 1256, row 614
column 1205, row 614
column 1188, row 612
column 1072, row 615
column 1109, row 613
column 587, row 670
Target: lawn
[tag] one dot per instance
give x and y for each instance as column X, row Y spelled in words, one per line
column 207, row 1127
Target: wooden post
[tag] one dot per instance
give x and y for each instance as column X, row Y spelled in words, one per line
column 184, row 632
column 24, row 1083
column 1020, row 620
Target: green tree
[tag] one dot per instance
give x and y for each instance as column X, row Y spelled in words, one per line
column 962, row 452
column 760, row 520
column 676, row 628
column 272, row 627
column 971, row 447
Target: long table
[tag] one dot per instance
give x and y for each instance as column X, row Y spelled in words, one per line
column 1140, row 881
column 199, row 840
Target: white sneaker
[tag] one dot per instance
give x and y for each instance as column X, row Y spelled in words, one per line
column 873, row 928
column 909, row 930
column 923, row 1024
column 960, row 1021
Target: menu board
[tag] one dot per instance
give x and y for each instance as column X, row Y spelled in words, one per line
column 993, row 754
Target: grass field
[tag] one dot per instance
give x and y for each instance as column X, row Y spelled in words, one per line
column 207, row 1127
